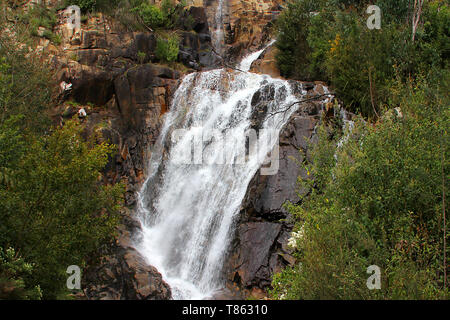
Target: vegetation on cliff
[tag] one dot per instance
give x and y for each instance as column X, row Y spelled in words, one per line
column 164, row 19
column 330, row 41
column 48, row 176
column 379, row 190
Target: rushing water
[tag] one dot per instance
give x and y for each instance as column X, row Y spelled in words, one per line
column 188, row 208
column 246, row 63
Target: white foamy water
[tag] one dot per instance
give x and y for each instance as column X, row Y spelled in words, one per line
column 246, row 63
column 188, row 210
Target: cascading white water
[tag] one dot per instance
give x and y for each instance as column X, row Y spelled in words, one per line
column 246, row 63
column 187, row 209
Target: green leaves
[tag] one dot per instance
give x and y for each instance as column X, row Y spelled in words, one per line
column 377, row 200
column 57, row 211
column 330, row 41
column 55, row 208
column 13, row 273
column 151, row 15
column 165, row 16
column 167, row 49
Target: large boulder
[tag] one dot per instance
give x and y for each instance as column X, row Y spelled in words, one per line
column 252, row 257
column 124, row 275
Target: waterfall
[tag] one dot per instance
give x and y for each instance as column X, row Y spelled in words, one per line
column 246, row 63
column 199, row 171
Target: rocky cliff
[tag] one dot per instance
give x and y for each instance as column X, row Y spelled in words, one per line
column 113, row 75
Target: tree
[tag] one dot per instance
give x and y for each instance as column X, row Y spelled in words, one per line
column 49, row 212
column 376, row 200
column 25, row 81
column 12, row 271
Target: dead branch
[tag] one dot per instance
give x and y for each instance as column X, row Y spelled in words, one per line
column 418, row 4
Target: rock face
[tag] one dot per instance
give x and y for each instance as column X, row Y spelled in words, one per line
column 260, row 246
column 250, row 25
column 266, row 64
column 124, row 275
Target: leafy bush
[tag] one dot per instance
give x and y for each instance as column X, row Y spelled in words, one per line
column 13, row 271
column 92, row 5
column 138, row 14
column 293, row 25
column 167, row 49
column 151, row 15
column 85, row 5
column 47, row 179
column 48, row 212
column 329, row 40
column 24, row 86
column 377, row 200
column 165, row 16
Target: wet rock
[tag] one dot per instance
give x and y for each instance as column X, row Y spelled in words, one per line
column 260, row 246
column 266, row 63
column 251, row 259
column 260, row 103
column 125, row 276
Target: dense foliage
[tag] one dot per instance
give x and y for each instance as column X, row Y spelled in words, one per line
column 167, row 49
column 377, row 200
column 13, row 269
column 330, row 40
column 378, row 189
column 49, row 219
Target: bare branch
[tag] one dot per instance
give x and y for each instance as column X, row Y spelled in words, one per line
column 301, row 101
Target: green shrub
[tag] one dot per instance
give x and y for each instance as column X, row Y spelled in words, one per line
column 165, row 16
column 93, row 5
column 48, row 212
column 293, row 50
column 377, row 200
column 141, row 56
column 167, row 49
column 24, row 86
column 329, row 40
column 151, row 15
column 47, row 178
column 13, row 273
